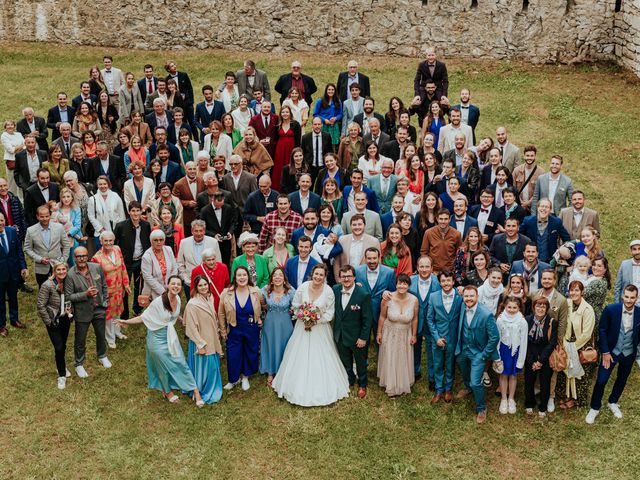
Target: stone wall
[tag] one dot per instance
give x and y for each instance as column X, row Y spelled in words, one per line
column 546, row 31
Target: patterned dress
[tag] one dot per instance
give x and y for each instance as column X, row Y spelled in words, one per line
column 117, row 279
column 595, row 294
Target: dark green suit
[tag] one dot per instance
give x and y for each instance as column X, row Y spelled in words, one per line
column 353, row 323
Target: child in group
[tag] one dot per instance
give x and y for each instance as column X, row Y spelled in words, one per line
column 514, row 332
column 580, row 271
column 490, row 291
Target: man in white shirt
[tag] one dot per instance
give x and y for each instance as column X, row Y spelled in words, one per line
column 373, row 227
column 457, row 153
column 555, row 186
column 113, row 79
column 448, row 133
column 509, row 152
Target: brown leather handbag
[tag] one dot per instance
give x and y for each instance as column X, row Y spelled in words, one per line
column 588, row 354
column 558, row 357
column 144, row 300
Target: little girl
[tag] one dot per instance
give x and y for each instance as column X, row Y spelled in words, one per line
column 490, row 291
column 580, row 271
column 512, row 348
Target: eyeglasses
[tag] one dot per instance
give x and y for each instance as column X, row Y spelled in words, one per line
column 81, row 256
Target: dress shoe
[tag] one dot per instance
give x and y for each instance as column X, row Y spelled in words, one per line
column 105, row 362
column 463, row 393
column 82, row 373
column 19, row 324
column 436, row 398
column 448, row 396
column 432, row 386
column 4, row 332
column 481, row 417
column 362, row 392
column 418, row 376
column 26, row 288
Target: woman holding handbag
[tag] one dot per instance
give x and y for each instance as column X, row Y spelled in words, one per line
column 575, row 384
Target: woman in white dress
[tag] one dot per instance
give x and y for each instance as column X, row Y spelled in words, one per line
column 311, row 373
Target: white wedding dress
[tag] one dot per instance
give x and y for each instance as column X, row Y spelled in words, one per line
column 311, row 373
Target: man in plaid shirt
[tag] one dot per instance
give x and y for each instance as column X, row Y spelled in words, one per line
column 282, row 217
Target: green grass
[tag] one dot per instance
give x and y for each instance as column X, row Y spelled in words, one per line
column 112, row 426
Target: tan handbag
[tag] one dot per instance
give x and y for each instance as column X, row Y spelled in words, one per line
column 558, row 357
column 588, row 354
column 144, row 300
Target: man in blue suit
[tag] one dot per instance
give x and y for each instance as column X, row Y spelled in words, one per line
column 348, row 193
column 309, row 228
column 304, row 198
column 443, row 316
column 159, row 112
column 171, row 171
column 551, row 228
column 149, row 79
column 161, row 139
column 85, row 96
column 422, row 286
column 13, row 267
column 207, row 112
column 460, row 220
column 384, row 185
column 619, row 337
column 391, row 217
column 376, row 279
column 298, row 268
column 477, row 342
column 625, row 272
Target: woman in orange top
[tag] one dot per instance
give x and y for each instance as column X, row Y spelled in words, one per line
column 395, row 253
column 415, row 174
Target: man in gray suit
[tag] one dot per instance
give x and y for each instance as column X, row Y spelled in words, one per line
column 577, row 217
column 510, row 153
column 86, row 288
column 46, row 243
column 555, row 186
column 372, row 219
column 628, row 273
column 384, row 185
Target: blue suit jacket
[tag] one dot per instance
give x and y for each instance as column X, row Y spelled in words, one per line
column 203, row 118
column 555, row 229
column 13, row 262
column 171, row 134
column 296, row 206
column 298, row 232
column 387, row 220
column 469, row 222
column 485, row 333
column 443, row 324
column 142, row 86
column 518, row 267
column 174, row 173
column 374, row 183
column 291, row 270
column 150, row 119
column 386, row 281
column 423, row 306
column 372, row 200
column 609, row 327
column 75, row 103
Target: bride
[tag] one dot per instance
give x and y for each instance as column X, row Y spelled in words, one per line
column 311, row 373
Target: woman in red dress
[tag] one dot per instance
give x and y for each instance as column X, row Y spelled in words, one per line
column 288, row 139
column 216, row 273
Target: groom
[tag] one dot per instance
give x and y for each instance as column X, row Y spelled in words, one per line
column 352, row 325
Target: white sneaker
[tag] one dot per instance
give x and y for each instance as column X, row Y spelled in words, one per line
column 229, row 386
column 542, row 414
column 62, row 382
column 529, row 411
column 82, row 373
column 121, row 336
column 111, row 345
column 486, row 380
column 615, row 409
column 105, row 362
column 551, row 406
column 504, row 407
column 245, row 384
column 512, row 406
column 591, row 416
column 67, row 373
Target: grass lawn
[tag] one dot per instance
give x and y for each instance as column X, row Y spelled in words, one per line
column 112, row 426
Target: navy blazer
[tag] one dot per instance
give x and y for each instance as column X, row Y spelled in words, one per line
column 203, row 118
column 174, row 172
column 518, row 267
column 283, row 85
column 519, row 213
column 150, row 119
column 609, row 327
column 75, row 103
column 423, row 305
column 298, row 232
column 171, row 134
column 291, row 270
column 387, row 220
column 142, row 86
column 343, row 84
column 13, row 262
column 496, row 217
column 174, row 153
column 296, row 206
column 555, row 231
column 469, row 222
column 53, row 117
column 472, row 119
column 498, row 248
column 185, row 88
column 440, row 186
column 372, row 199
column 33, row 198
column 443, row 324
column 485, row 179
column 255, row 206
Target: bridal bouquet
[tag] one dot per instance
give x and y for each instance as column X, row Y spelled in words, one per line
column 307, row 313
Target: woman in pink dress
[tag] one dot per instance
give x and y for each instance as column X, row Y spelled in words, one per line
column 288, row 139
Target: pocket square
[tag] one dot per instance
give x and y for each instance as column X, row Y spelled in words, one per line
column 355, row 308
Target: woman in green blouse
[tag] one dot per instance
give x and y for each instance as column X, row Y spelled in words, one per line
column 256, row 264
column 281, row 251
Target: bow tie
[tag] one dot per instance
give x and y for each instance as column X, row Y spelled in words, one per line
column 424, row 282
column 627, row 312
column 469, row 310
column 458, row 219
column 372, row 272
column 345, row 292
column 209, row 104
column 484, row 210
column 447, row 295
column 462, row 106
column 193, row 181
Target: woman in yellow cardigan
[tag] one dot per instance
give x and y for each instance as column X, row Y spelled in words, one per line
column 253, row 262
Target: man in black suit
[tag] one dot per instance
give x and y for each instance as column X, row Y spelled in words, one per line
column 58, row 114
column 352, row 75
column 470, row 113
column 41, row 192
column 508, row 247
column 85, row 96
column 220, row 222
column 65, row 141
column 159, row 117
column 456, row 154
column 207, row 111
column 434, row 71
column 448, row 171
column 132, row 236
column 364, row 119
column 148, row 84
column 31, row 125
column 296, row 78
column 185, row 88
column 28, row 161
column 109, row 165
column 212, row 187
column 259, row 203
column 395, row 148
column 489, row 217
column 315, row 145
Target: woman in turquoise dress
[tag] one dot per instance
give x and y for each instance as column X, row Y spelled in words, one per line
column 277, row 326
column 201, row 326
column 255, row 263
column 166, row 366
column 329, row 109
